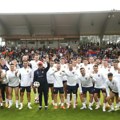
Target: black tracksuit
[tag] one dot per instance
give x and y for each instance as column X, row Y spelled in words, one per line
column 3, row 89
column 40, row 76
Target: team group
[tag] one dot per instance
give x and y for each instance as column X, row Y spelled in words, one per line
column 99, row 78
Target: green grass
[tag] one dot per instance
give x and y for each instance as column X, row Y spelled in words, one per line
column 59, row 114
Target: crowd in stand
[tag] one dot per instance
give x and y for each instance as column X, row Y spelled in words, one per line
column 109, row 51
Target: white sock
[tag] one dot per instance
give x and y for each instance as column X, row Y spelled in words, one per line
column 21, row 104
column 99, row 100
column 98, row 103
column 10, row 102
column 90, row 104
column 74, row 99
column 6, row 101
column 17, row 103
column 1, row 104
column 112, row 106
column 68, row 99
column 117, row 104
column 29, row 103
column 93, row 101
column 55, row 104
column 84, row 104
column 62, row 104
column 85, row 100
column 104, row 105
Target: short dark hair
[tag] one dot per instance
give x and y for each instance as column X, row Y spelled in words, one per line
column 115, row 61
column 82, row 68
column 11, row 64
column 110, row 75
column 95, row 66
column 25, row 61
column 85, row 59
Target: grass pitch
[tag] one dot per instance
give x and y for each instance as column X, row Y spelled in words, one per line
column 59, row 114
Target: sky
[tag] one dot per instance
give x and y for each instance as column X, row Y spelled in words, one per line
column 56, row 6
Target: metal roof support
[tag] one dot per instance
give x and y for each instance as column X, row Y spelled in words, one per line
column 28, row 24
column 5, row 28
column 104, row 26
column 78, row 25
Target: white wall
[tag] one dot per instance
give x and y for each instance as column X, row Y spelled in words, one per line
column 40, row 44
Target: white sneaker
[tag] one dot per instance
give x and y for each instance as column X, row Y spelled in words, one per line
column 117, row 108
column 104, row 109
column 21, row 107
column 74, row 106
column 17, row 106
column 97, row 107
column 52, row 103
column 65, row 102
column 90, row 108
column 29, row 107
column 83, row 107
column 9, row 106
column 68, row 106
column 111, row 110
column 59, row 103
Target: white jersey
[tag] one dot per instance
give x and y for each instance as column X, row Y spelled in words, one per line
column 34, row 64
column 80, row 65
column 50, row 77
column 88, row 68
column 105, row 71
column 76, row 69
column 86, row 81
column 114, row 85
column 58, row 78
column 114, row 72
column 64, row 67
column 117, row 76
column 99, row 80
column 26, row 76
column 13, row 80
column 71, row 77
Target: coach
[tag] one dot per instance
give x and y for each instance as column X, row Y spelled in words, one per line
column 40, row 76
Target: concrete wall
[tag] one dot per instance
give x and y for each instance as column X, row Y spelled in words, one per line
column 40, row 44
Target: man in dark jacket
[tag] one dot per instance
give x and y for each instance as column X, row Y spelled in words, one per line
column 40, row 76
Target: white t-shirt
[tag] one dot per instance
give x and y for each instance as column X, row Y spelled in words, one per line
column 88, row 68
column 105, row 71
column 13, row 80
column 114, row 85
column 71, row 77
column 58, row 78
column 86, row 81
column 50, row 77
column 113, row 71
column 34, row 64
column 26, row 76
column 64, row 67
column 99, row 80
